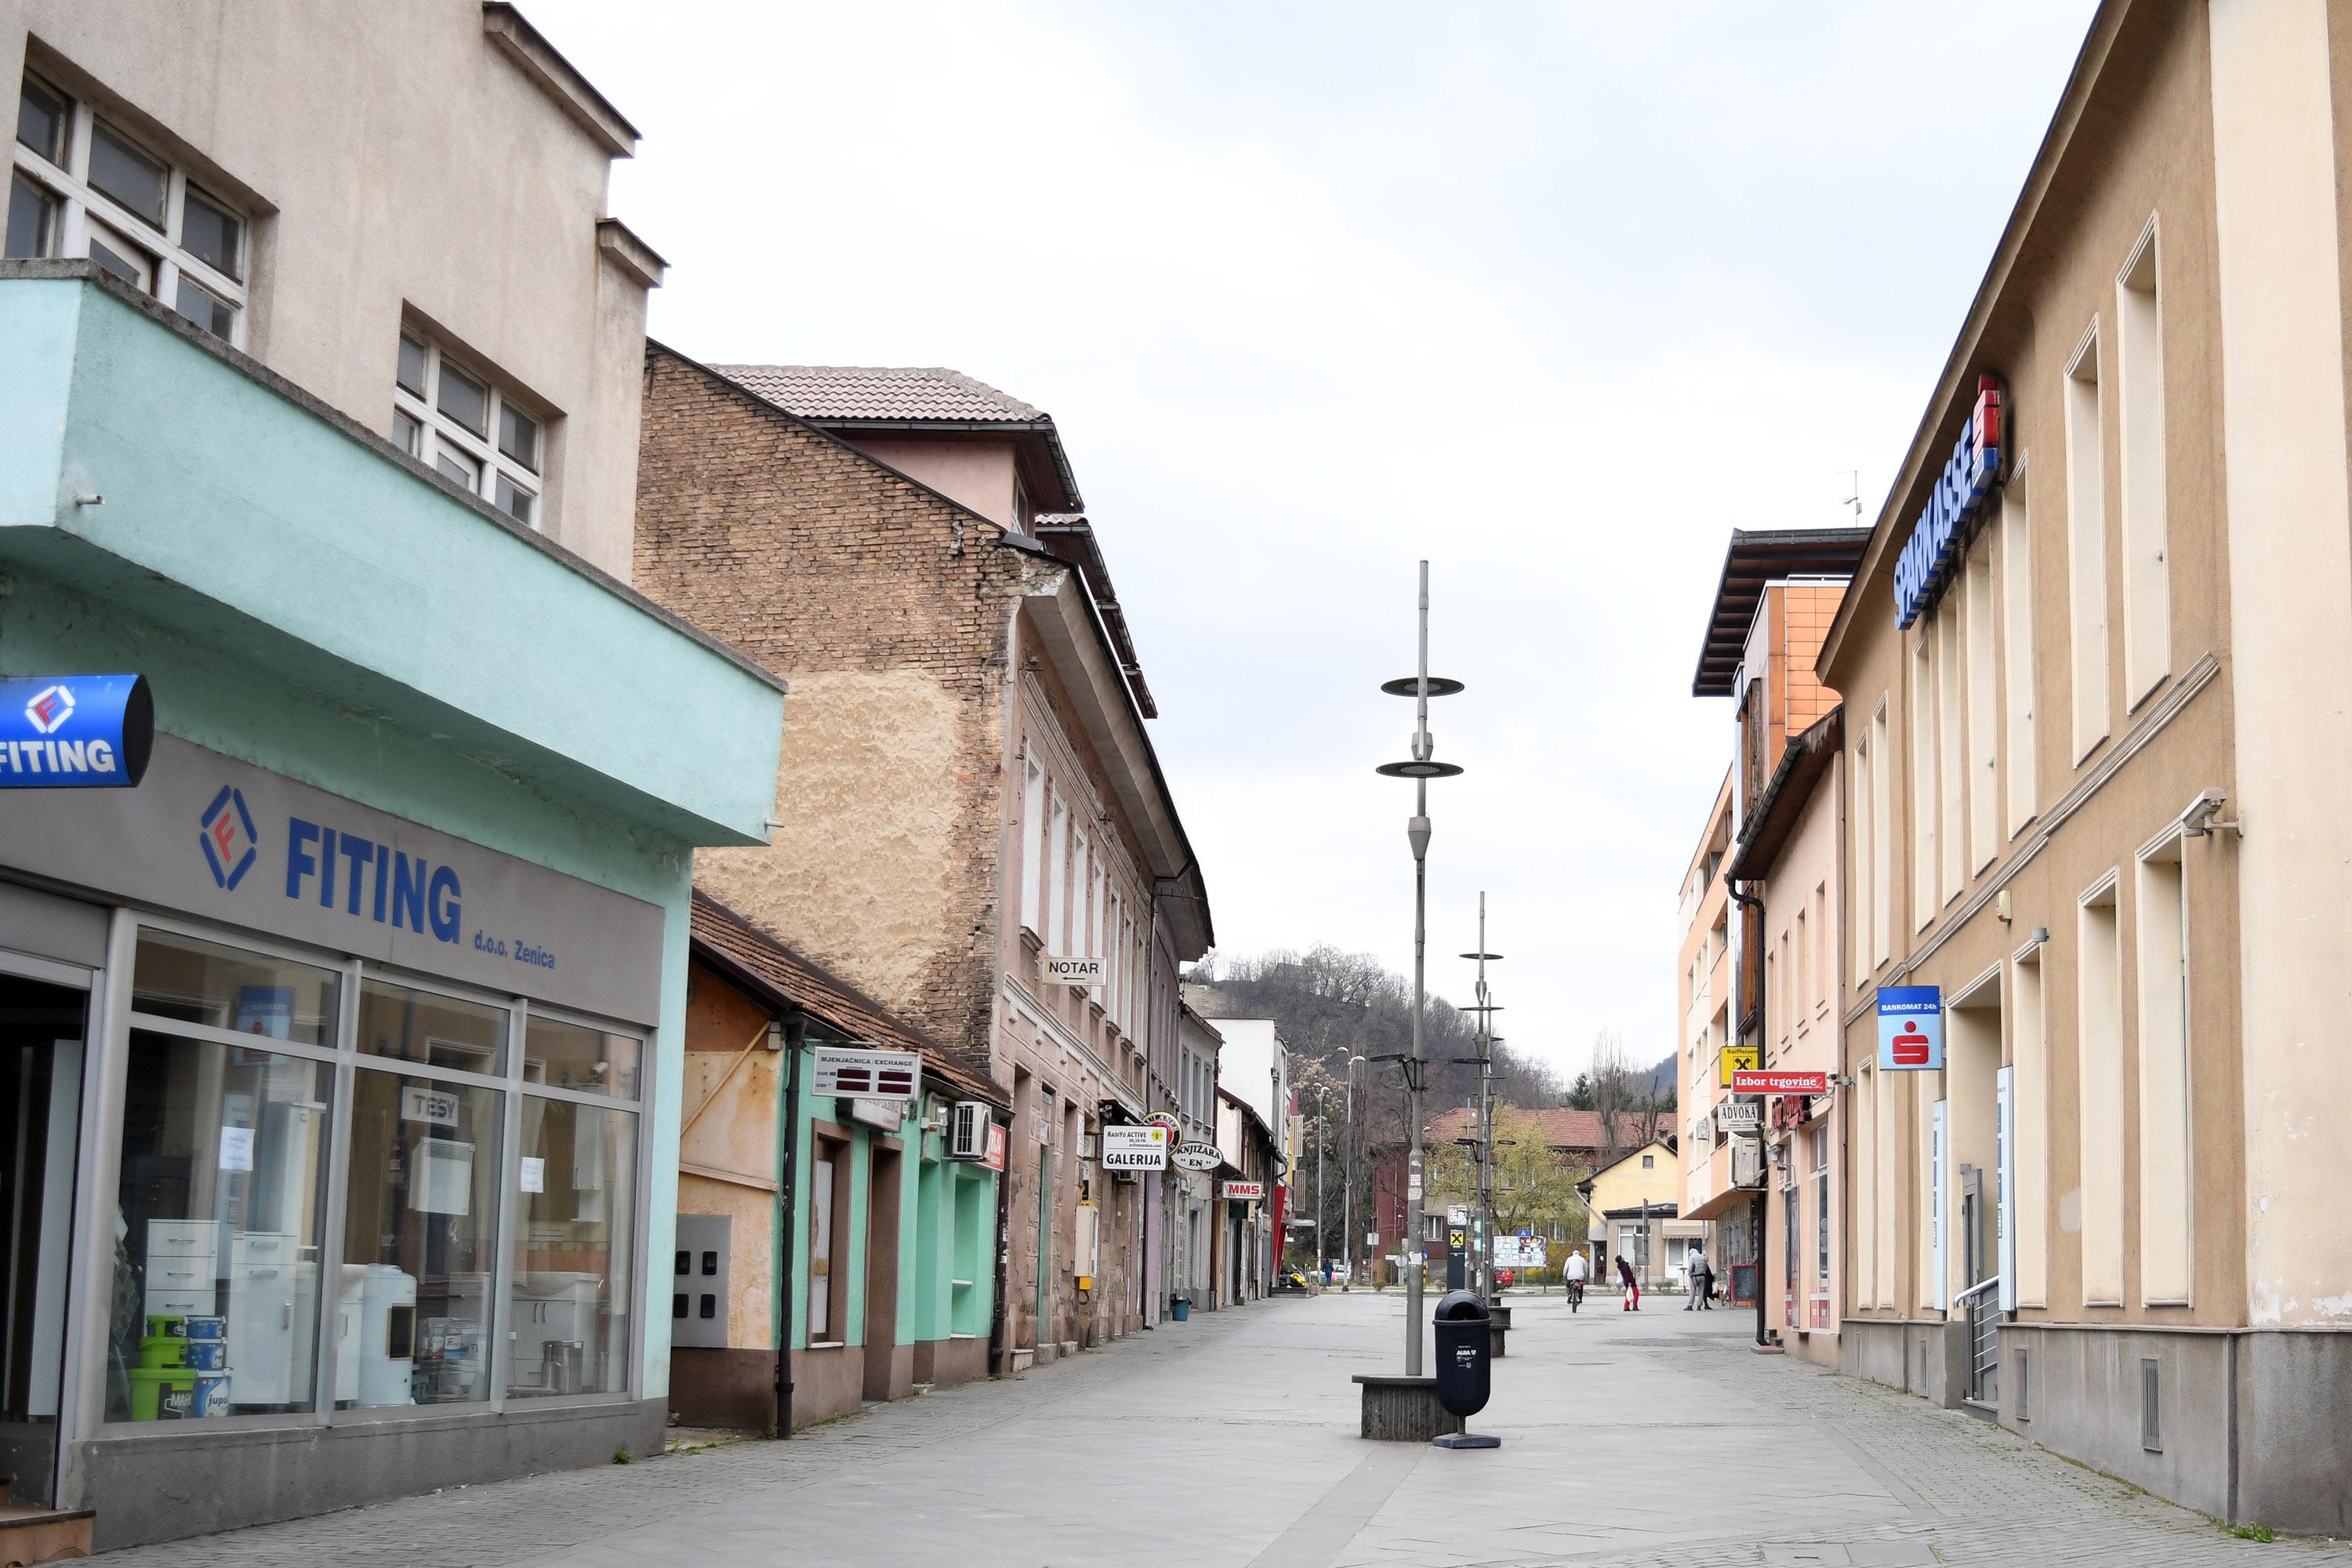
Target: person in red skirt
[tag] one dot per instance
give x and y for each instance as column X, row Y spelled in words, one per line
column 1632, row 1286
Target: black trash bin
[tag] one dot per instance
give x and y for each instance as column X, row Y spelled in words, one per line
column 1464, row 1363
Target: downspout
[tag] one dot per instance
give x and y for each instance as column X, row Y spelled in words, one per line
column 796, row 1026
column 1763, row 1164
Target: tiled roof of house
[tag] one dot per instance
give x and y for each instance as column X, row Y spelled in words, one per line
column 1562, row 1128
column 821, row 393
column 720, row 932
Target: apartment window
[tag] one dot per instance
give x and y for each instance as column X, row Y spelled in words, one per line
column 1097, row 921
column 2101, row 1056
column 2164, row 1155
column 1984, row 713
column 2139, row 397
column 1883, row 1151
column 83, row 186
column 2087, row 544
column 1821, row 1180
column 1081, row 922
column 2029, row 1047
column 1881, row 842
column 2016, row 634
column 1951, row 659
column 1863, row 1120
column 1923, row 776
column 1057, row 878
column 461, row 422
column 1803, row 1005
column 1822, row 987
column 1865, row 867
column 1032, row 847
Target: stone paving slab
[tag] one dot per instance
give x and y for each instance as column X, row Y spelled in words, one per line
column 1629, row 1440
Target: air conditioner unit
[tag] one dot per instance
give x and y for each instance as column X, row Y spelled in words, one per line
column 1747, row 1161
column 968, row 1126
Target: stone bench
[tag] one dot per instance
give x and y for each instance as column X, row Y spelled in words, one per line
column 1403, row 1409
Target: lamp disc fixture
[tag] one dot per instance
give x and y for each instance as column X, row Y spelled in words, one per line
column 1410, row 686
column 1420, row 770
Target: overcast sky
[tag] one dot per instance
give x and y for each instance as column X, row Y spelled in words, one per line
column 1554, row 295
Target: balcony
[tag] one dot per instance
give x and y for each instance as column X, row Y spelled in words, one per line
column 160, row 490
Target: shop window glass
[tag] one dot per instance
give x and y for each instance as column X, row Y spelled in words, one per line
column 575, row 1218
column 194, row 982
column 413, row 1322
column 423, row 1026
column 574, row 1057
column 216, row 1300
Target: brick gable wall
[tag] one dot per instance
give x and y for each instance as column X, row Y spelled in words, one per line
column 887, row 607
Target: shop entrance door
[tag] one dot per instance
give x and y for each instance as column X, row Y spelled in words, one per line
column 41, row 1034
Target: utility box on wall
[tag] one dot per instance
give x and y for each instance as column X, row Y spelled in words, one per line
column 697, row 1306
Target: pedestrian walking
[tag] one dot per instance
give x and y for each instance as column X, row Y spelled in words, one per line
column 1632, row 1286
column 1702, row 1276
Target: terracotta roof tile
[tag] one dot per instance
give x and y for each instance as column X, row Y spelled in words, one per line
column 734, row 940
column 819, row 392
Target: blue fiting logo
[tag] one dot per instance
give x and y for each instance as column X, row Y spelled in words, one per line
column 231, row 844
column 75, row 732
column 372, row 881
column 1953, row 509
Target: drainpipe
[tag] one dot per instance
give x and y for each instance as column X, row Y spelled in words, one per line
column 795, row 1027
column 1756, row 1211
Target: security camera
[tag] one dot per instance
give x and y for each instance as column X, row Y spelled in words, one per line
column 2198, row 820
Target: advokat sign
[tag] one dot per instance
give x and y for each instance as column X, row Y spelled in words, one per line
column 218, row 839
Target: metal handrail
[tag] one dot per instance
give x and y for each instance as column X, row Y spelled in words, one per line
column 1978, row 1288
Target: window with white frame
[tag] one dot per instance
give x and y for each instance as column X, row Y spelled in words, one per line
column 449, row 414
column 1033, row 849
column 82, row 185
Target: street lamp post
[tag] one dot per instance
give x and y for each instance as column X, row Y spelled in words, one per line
column 1482, row 1151
column 1421, row 686
column 1348, row 1178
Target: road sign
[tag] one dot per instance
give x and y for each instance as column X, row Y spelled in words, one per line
column 1910, row 1028
column 1458, row 1213
column 1780, row 1083
column 1134, row 1147
column 879, row 1075
column 1740, row 1058
column 1076, row 971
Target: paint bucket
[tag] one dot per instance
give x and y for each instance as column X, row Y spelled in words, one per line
column 159, row 1393
column 210, row 1395
column 160, row 1326
column 206, row 1355
column 208, row 1328
column 164, row 1351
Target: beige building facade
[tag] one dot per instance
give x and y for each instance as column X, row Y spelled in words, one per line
column 2095, row 736
column 403, row 214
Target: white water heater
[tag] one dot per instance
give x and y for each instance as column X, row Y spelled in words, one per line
column 387, row 1349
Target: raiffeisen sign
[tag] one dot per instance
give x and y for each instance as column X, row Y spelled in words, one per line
column 1970, row 475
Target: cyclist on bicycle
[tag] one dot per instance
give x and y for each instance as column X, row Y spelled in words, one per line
column 1572, row 1276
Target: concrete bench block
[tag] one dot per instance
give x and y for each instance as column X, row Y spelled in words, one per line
column 1403, row 1409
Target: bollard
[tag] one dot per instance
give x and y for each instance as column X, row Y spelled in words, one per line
column 1465, row 1366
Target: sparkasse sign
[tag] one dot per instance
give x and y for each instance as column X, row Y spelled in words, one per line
column 1910, row 1028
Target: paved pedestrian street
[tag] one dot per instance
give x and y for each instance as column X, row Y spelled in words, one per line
column 1657, row 1438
